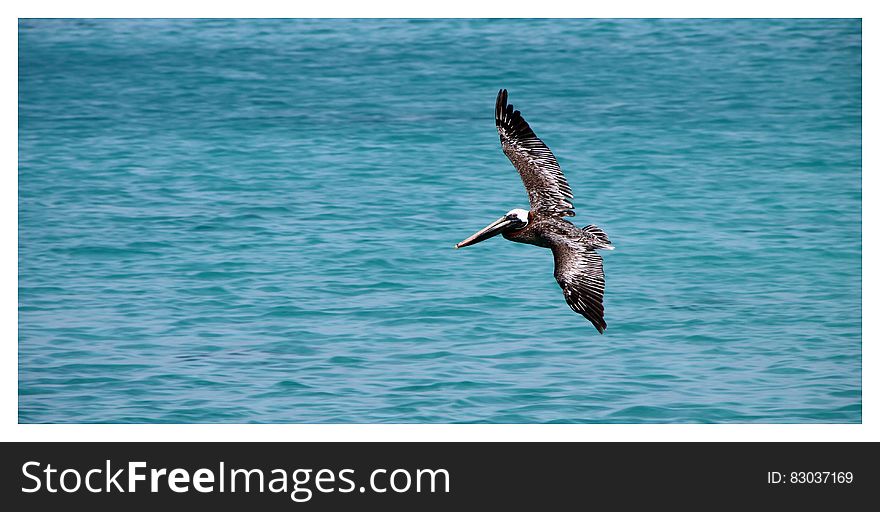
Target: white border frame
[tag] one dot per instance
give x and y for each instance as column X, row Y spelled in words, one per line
column 11, row 430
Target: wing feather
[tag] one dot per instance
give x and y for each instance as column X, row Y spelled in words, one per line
column 579, row 273
column 540, row 172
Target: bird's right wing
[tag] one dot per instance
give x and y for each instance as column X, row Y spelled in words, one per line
column 579, row 273
column 540, row 172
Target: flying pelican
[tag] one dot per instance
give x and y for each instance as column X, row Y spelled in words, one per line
column 578, row 266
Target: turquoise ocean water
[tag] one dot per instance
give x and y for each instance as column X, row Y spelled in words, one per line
column 253, row 221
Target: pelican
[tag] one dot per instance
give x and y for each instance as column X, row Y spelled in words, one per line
column 578, row 267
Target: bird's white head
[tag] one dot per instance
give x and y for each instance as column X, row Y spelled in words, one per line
column 520, row 215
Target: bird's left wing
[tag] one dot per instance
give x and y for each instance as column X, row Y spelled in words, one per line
column 540, row 172
column 579, row 273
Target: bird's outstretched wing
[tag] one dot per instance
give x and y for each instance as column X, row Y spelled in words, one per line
column 540, row 172
column 579, row 273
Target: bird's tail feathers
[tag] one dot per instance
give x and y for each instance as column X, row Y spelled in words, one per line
column 598, row 237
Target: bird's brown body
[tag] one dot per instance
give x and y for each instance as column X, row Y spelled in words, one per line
column 544, row 230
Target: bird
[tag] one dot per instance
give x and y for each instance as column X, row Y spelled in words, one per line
column 577, row 264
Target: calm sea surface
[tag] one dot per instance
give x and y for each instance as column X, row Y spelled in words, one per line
column 253, row 221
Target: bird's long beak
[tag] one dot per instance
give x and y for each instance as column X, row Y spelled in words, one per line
column 485, row 233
